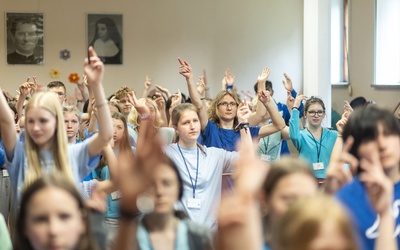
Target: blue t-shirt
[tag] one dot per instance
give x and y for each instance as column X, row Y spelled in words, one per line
column 213, row 136
column 2, row 160
column 354, row 196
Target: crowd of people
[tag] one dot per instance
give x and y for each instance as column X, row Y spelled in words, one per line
column 166, row 171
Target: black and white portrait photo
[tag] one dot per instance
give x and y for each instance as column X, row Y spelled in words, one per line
column 105, row 35
column 24, row 38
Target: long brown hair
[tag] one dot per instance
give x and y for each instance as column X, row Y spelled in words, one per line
column 21, row 242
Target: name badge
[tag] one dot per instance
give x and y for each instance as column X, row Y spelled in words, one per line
column 194, row 203
column 5, row 173
column 116, row 195
column 265, row 157
column 318, row 166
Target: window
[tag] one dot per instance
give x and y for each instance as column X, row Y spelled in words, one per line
column 339, row 42
column 387, row 43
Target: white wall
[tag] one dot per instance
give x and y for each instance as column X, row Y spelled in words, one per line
column 361, row 55
column 242, row 35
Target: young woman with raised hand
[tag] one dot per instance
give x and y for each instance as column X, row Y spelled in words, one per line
column 153, row 175
column 202, row 167
column 219, row 122
column 53, row 216
column 314, row 143
column 45, row 150
column 372, row 149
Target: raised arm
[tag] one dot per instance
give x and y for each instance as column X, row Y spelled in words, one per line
column 239, row 223
column 294, row 122
column 243, row 115
column 160, row 101
column 277, row 121
column 380, row 193
column 8, row 132
column 94, row 72
column 186, row 70
column 261, row 111
column 147, row 85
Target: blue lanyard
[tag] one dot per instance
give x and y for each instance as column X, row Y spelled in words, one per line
column 187, row 168
column 316, row 144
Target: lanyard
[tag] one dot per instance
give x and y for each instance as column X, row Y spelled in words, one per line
column 187, row 168
column 316, row 144
column 266, row 145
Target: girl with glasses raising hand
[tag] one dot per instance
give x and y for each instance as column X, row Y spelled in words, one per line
column 314, row 143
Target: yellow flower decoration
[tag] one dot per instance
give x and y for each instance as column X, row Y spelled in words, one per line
column 55, row 73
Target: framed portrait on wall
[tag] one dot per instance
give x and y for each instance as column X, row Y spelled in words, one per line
column 24, row 38
column 104, row 34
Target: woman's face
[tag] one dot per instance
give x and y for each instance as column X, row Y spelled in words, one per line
column 119, row 129
column 387, row 146
column 53, row 220
column 165, row 189
column 315, row 114
column 71, row 124
column 329, row 237
column 41, row 126
column 188, row 127
column 288, row 190
column 102, row 31
column 227, row 108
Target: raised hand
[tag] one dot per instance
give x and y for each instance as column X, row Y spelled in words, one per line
column 243, row 112
column 287, row 83
column 176, row 99
column 229, row 78
column 159, row 99
column 95, row 70
column 264, row 75
column 140, row 105
column 289, row 101
column 347, row 108
column 201, row 86
column 164, row 90
column 147, row 83
column 298, row 100
column 185, row 69
column 342, row 122
column 264, row 96
column 337, row 174
column 379, row 186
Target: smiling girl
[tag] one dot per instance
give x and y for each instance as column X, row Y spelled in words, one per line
column 314, row 143
column 45, row 150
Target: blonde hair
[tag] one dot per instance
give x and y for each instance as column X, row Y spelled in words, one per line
column 212, row 111
column 301, row 224
column 50, row 102
column 122, row 92
column 134, row 117
column 72, row 109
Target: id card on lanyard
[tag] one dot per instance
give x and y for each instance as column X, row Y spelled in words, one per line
column 318, row 165
column 193, row 202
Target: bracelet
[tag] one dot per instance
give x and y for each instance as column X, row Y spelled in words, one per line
column 145, row 117
column 295, row 108
column 242, row 125
column 229, row 87
column 101, row 104
column 339, row 135
column 79, row 100
column 127, row 215
column 203, row 98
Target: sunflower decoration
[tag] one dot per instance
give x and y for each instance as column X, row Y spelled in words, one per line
column 55, row 73
column 65, row 54
column 73, row 77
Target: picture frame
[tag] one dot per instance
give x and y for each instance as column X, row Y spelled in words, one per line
column 25, row 38
column 105, row 35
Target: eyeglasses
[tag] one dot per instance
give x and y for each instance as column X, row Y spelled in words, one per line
column 226, row 104
column 318, row 113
